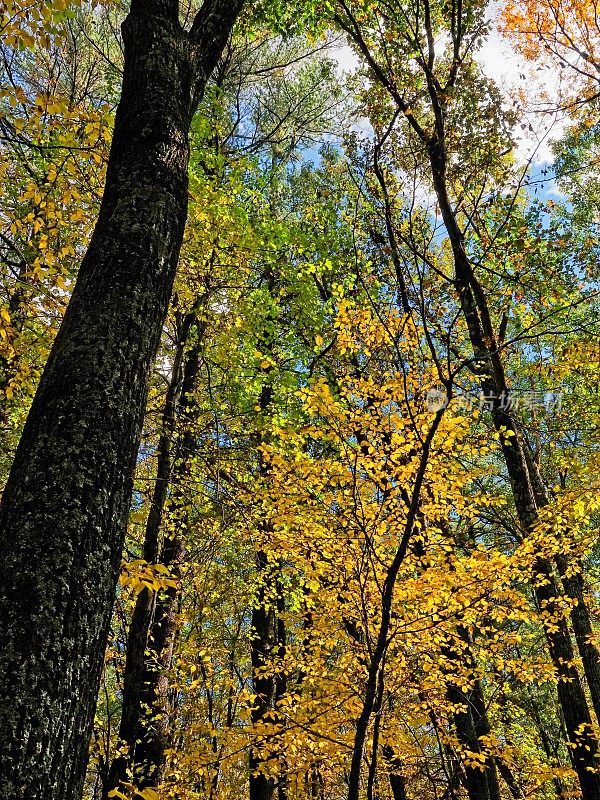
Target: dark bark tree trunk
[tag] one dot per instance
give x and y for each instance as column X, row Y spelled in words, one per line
column 509, row 779
column 574, row 587
column 268, row 639
column 476, row 780
column 583, row 630
column 471, row 722
column 483, row 728
column 394, row 767
column 66, row 501
column 559, row 788
column 17, row 307
column 505, row 770
column 268, row 635
column 263, row 684
column 143, row 727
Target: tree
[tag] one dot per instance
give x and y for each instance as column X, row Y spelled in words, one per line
column 361, row 552
column 428, row 114
column 66, row 500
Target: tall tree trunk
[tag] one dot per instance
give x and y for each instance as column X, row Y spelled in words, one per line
column 153, row 628
column 583, row 630
column 483, row 728
column 574, row 587
column 376, row 664
column 268, row 638
column 66, row 501
column 510, row 780
column 263, row 684
column 476, row 780
column 268, row 635
column 547, row 746
column 471, row 722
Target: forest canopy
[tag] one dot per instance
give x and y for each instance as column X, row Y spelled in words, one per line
column 299, row 400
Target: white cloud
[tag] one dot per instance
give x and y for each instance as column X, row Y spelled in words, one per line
column 534, row 88
column 346, row 58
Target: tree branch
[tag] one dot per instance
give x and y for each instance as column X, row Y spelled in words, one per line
column 209, row 34
column 213, row 22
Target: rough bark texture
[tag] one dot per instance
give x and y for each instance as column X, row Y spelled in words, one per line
column 574, row 587
column 65, row 505
column 584, row 633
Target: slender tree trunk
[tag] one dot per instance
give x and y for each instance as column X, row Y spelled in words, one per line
column 153, row 626
column 376, row 665
column 509, row 779
column 263, row 684
column 559, row 788
column 483, row 728
column 472, row 722
column 396, row 778
column 268, row 628
column 477, row 784
column 504, row 769
column 481, row 782
column 315, row 784
column 17, row 307
column 449, row 759
column 268, row 639
column 64, row 509
column 148, row 753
